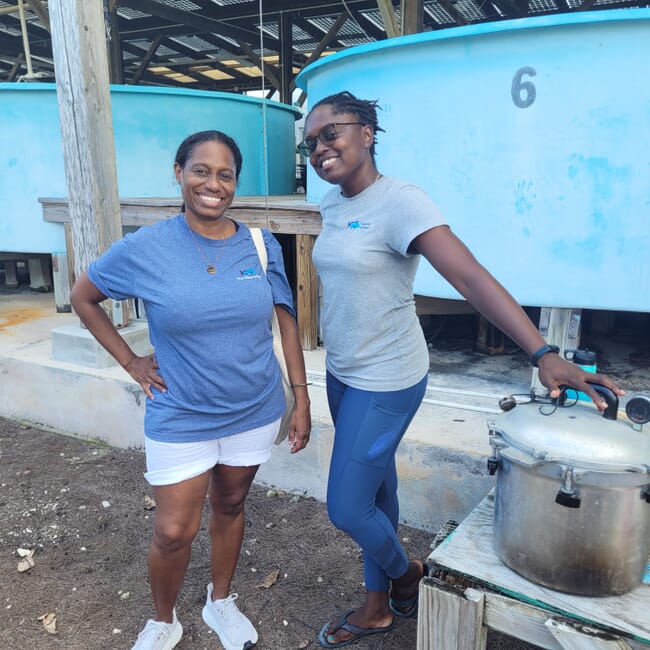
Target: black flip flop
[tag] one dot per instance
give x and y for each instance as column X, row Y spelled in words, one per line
column 408, row 607
column 342, row 624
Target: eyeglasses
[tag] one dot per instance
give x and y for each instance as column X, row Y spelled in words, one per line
column 326, row 135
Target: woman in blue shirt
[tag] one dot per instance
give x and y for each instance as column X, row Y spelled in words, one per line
column 213, row 383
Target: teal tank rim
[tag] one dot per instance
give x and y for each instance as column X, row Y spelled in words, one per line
column 158, row 90
column 479, row 29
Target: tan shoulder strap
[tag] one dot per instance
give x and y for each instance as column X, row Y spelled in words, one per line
column 258, row 240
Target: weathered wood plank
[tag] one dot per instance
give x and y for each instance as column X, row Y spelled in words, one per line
column 307, row 292
column 469, row 551
column 280, row 214
column 519, row 620
column 571, row 638
column 83, row 95
column 449, row 619
column 561, row 327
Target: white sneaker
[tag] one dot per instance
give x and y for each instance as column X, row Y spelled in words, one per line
column 235, row 631
column 158, row 635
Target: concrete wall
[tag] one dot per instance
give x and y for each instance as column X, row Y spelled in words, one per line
column 441, row 462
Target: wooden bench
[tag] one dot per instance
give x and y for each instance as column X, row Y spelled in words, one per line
column 470, row 591
column 282, row 215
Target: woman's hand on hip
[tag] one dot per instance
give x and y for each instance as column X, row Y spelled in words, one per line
column 145, row 371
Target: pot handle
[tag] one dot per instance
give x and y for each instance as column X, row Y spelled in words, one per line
column 611, row 410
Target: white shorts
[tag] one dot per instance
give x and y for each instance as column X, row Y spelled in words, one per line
column 173, row 462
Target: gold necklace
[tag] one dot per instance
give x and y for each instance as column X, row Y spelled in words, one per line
column 211, row 266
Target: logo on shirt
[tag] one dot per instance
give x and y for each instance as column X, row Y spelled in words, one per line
column 358, row 225
column 249, row 274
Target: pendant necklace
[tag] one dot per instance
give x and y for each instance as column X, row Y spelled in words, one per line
column 211, row 265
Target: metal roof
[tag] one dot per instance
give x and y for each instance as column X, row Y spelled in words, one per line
column 224, row 44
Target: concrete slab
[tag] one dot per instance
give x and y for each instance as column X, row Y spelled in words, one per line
column 441, row 461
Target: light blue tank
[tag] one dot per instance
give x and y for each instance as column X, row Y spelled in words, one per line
column 148, row 124
column 532, row 135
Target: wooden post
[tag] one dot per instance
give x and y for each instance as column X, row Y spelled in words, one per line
column 449, row 620
column 286, row 58
column 80, row 58
column 307, row 292
column 412, row 16
column 561, row 327
column 389, row 18
column 113, row 43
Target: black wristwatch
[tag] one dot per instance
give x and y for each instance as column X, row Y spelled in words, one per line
column 545, row 349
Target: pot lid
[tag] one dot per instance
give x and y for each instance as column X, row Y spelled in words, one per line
column 576, row 434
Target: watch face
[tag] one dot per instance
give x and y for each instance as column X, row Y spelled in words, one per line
column 638, row 409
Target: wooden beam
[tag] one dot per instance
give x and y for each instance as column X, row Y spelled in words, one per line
column 116, row 65
column 269, row 71
column 39, row 9
column 11, row 75
column 561, row 327
column 320, row 48
column 389, row 18
column 307, row 292
column 286, row 57
column 450, row 619
column 144, row 64
column 412, row 16
column 82, row 89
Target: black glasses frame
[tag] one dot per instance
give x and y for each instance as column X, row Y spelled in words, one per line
column 308, row 145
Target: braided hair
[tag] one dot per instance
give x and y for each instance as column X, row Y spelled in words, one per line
column 364, row 109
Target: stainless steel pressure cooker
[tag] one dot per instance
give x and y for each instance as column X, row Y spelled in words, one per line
column 572, row 509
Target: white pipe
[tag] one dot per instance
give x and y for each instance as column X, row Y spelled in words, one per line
column 312, row 374
column 23, row 27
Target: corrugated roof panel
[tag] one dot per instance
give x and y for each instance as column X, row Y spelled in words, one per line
column 536, row 6
column 194, row 43
column 375, row 18
column 351, row 42
column 185, row 5
column 131, row 14
column 438, row 13
column 470, row 10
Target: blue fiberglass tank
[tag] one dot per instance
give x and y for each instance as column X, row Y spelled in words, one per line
column 148, row 124
column 532, row 135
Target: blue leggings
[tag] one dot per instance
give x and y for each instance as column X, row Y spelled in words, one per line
column 362, row 486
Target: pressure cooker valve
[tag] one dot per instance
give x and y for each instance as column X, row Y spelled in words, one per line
column 568, row 496
column 568, row 499
column 507, row 403
column 646, row 493
column 492, row 465
column 637, row 409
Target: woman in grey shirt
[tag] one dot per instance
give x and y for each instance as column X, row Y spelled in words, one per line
column 374, row 230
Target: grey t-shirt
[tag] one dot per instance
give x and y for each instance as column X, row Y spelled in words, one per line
column 371, row 333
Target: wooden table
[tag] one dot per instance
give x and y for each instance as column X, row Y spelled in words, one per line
column 283, row 215
column 471, row 590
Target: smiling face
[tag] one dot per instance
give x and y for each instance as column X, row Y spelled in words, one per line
column 345, row 160
column 208, row 180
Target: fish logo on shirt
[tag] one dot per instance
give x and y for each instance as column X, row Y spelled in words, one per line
column 358, row 225
column 249, row 274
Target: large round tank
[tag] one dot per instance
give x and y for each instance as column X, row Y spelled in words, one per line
column 532, row 135
column 148, row 124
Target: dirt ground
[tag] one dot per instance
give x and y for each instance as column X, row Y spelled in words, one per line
column 81, row 507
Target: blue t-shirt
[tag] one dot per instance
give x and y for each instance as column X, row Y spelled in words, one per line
column 211, row 333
